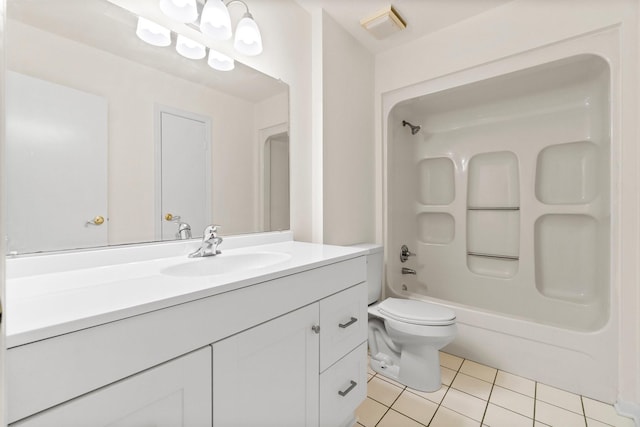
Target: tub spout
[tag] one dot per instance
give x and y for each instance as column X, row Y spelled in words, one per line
column 406, row 270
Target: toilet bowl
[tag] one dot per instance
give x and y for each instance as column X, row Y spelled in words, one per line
column 405, row 335
column 406, row 347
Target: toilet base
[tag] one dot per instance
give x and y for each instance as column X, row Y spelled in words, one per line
column 418, row 368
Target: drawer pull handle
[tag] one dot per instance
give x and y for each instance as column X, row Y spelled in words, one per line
column 351, row 387
column 349, row 323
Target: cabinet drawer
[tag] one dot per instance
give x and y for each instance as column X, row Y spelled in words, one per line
column 343, row 387
column 343, row 324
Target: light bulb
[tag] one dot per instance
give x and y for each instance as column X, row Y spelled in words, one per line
column 219, row 61
column 248, row 40
column 215, row 21
column 189, row 48
column 153, row 33
column 180, row 10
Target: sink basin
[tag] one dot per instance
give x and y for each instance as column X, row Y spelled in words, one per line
column 223, row 264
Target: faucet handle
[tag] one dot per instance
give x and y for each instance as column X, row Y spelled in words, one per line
column 210, row 232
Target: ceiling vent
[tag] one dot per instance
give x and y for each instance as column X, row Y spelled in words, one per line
column 384, row 23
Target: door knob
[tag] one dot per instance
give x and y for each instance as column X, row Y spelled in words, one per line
column 316, row 329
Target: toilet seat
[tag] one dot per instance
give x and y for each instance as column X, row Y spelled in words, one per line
column 416, row 312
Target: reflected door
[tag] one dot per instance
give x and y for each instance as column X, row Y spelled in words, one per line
column 56, row 166
column 185, row 172
column 276, row 181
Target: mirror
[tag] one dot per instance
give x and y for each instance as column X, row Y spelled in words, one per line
column 94, row 114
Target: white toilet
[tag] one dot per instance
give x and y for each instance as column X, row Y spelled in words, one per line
column 405, row 336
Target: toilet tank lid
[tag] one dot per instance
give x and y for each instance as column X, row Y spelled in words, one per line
column 372, row 248
column 416, row 312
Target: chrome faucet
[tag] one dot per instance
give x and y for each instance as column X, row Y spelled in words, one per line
column 406, row 270
column 184, row 231
column 210, row 243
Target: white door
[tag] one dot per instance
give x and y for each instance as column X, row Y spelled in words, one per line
column 268, row 375
column 184, row 172
column 56, row 166
column 177, row 393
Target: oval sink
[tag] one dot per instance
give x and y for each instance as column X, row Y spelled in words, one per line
column 223, row 264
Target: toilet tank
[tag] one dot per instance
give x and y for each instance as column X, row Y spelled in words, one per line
column 374, row 269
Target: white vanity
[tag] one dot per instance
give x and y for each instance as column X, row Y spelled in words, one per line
column 273, row 334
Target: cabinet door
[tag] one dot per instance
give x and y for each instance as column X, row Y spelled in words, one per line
column 176, row 393
column 268, row 375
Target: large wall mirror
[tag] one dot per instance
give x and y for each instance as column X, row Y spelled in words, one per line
column 113, row 141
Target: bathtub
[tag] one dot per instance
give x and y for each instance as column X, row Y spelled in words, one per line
column 499, row 179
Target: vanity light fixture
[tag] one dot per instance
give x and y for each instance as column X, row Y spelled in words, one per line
column 153, row 33
column 219, row 61
column 190, row 48
column 215, row 22
column 180, row 10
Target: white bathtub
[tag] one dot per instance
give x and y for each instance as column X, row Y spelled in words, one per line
column 507, row 195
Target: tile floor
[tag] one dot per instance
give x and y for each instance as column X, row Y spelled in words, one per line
column 476, row 395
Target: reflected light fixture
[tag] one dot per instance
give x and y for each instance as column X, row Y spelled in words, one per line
column 219, row 61
column 215, row 22
column 180, row 10
column 190, row 48
column 153, row 33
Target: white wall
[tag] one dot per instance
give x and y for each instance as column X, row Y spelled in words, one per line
column 516, row 28
column 348, row 137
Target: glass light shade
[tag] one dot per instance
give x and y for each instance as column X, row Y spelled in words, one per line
column 215, row 21
column 189, row 48
column 180, row 10
column 153, row 33
column 248, row 40
column 219, row 61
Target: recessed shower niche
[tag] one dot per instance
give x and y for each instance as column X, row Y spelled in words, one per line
column 567, row 173
column 436, row 181
column 493, row 214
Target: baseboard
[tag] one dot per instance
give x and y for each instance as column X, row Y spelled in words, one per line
column 629, row 409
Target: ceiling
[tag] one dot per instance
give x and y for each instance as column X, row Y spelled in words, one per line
column 422, row 16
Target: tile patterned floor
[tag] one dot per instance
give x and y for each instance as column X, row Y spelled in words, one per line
column 476, row 395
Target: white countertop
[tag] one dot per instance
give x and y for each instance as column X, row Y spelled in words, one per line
column 51, row 303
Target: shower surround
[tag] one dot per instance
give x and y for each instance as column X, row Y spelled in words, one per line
column 504, row 195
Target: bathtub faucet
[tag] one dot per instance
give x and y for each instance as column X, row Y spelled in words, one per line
column 210, row 243
column 406, row 270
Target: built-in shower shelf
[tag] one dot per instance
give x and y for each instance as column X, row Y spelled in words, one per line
column 509, row 257
column 494, row 208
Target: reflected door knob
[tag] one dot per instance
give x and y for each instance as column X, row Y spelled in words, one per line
column 98, row 220
column 171, row 217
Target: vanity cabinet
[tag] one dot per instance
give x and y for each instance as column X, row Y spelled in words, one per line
column 284, row 367
column 175, row 393
column 289, row 351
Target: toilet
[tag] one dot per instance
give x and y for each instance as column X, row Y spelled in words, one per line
column 405, row 335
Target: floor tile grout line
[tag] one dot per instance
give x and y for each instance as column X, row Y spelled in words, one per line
column 446, row 392
column 535, row 401
column 389, row 407
column 486, row 408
